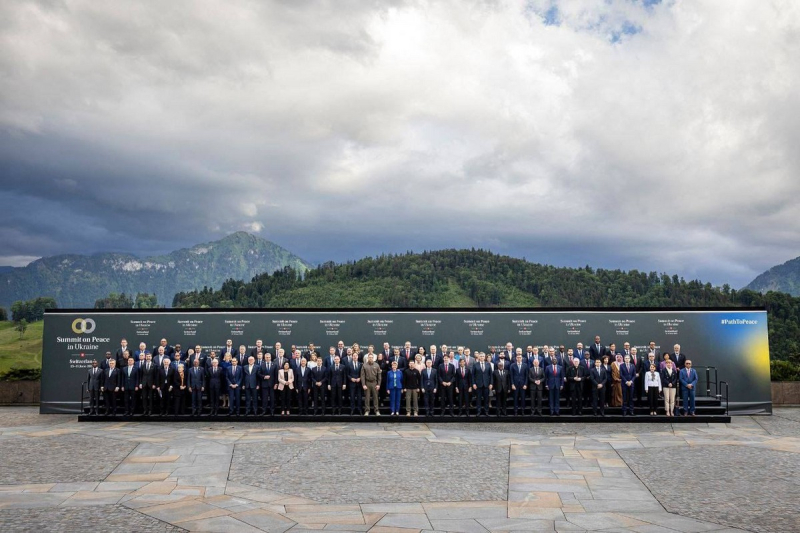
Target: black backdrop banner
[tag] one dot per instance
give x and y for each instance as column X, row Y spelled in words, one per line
column 734, row 341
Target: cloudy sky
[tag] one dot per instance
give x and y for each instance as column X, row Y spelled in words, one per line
column 621, row 134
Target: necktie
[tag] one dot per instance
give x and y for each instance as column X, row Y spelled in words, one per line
column 482, row 369
column 555, row 370
column 337, row 368
column 462, row 372
column 129, row 371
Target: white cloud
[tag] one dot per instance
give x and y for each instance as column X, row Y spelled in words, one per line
column 658, row 137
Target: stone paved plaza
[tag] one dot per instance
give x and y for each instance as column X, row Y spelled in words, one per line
column 60, row 475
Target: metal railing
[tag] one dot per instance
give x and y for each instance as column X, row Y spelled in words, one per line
column 720, row 396
column 84, row 392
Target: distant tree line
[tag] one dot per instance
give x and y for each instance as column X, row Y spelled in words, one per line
column 114, row 300
column 31, row 310
column 478, row 278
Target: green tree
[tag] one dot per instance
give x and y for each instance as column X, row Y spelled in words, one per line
column 114, row 301
column 21, row 326
column 146, row 301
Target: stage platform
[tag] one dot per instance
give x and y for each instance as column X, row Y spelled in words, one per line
column 402, row 419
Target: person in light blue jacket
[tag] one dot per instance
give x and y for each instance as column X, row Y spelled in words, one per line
column 394, row 384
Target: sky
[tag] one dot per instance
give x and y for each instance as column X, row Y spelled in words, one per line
column 658, row 136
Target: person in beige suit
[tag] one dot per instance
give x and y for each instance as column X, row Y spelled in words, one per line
column 371, row 382
column 285, row 386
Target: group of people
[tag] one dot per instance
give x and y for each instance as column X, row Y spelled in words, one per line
column 454, row 380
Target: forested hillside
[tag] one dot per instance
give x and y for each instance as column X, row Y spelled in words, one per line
column 476, row 278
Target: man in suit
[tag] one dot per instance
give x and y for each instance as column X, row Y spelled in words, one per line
column 627, row 372
column 580, row 351
column 353, row 374
column 320, row 377
column 508, row 354
column 463, row 384
column 302, row 383
column 234, row 378
column 169, row 351
column 280, row 357
column 396, row 357
column 434, row 357
column 197, row 353
column 446, row 375
column 259, row 349
column 408, row 353
column 197, row 385
column 651, row 349
column 110, row 386
column 501, row 384
column 341, row 351
column 536, row 380
column 118, row 355
column 678, row 357
column 227, row 348
column 250, row 385
column 554, row 359
column 639, row 363
column 165, row 377
column 93, row 383
column 597, row 350
column 268, row 378
column 160, row 356
column 312, row 350
column 481, row 381
column 430, row 382
column 688, row 381
column 519, row 383
column 337, row 381
column 576, row 376
column 104, row 363
column 327, row 361
column 554, row 383
column 598, row 378
column 130, row 386
column 588, row 364
column 216, row 382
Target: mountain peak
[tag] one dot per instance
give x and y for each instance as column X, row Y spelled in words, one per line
column 780, row 278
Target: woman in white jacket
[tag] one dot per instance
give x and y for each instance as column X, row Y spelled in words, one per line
column 652, row 383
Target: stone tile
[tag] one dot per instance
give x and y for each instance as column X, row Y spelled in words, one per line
column 92, row 498
column 12, row 500
column 183, row 510
column 138, row 477
column 516, row 524
column 219, row 524
column 124, row 486
column 404, row 508
column 152, row 459
column 265, row 520
column 408, row 521
column 463, row 526
column 596, row 521
column 73, row 487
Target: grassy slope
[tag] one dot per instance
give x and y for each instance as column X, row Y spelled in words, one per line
column 20, row 353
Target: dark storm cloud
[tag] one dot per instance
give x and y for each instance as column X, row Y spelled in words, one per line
column 344, row 129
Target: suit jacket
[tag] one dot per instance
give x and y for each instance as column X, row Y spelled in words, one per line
column 255, row 351
column 627, row 373
column 678, row 360
column 446, row 374
column 688, row 377
column 268, row 377
column 197, row 377
column 302, row 380
column 576, row 372
column 234, row 376
column 320, row 375
column 554, row 379
column 599, row 376
column 596, row 353
column 548, row 361
column 353, row 371
column 111, row 379
column 401, row 361
column 390, row 379
column 199, row 357
column 482, row 378
column 429, row 381
column 588, row 364
column 131, row 353
column 130, row 380
column 519, row 376
column 337, row 377
column 215, row 379
column 463, row 382
column 285, row 379
column 250, row 377
column 435, row 361
column 104, row 363
column 224, row 350
column 165, row 377
column 535, row 373
column 579, row 353
column 667, row 378
column 94, row 379
column 176, row 380
column 501, row 383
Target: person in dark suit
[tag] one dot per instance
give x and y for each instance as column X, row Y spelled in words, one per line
column 463, row 386
column 597, row 350
column 165, row 378
column 588, row 364
column 234, row 378
column 320, row 378
column 519, row 383
column 251, row 386
column 180, row 389
column 536, row 381
column 354, row 384
column 434, row 357
column 158, row 359
column 446, row 375
column 627, row 372
column 669, row 386
column 481, row 381
column 216, row 384
column 148, row 378
column 130, row 386
column 169, row 351
column 638, row 364
column 94, row 382
column 312, row 350
column 581, row 352
column 327, row 361
column 268, row 377
column 598, row 377
column 678, row 357
column 302, row 383
column 501, row 384
column 104, row 363
column 688, row 380
column 336, row 384
column 576, row 375
column 259, row 349
column 196, row 354
column 110, row 387
column 396, row 357
column 554, row 383
column 430, row 383
column 227, row 348
column 121, row 356
column 197, row 386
